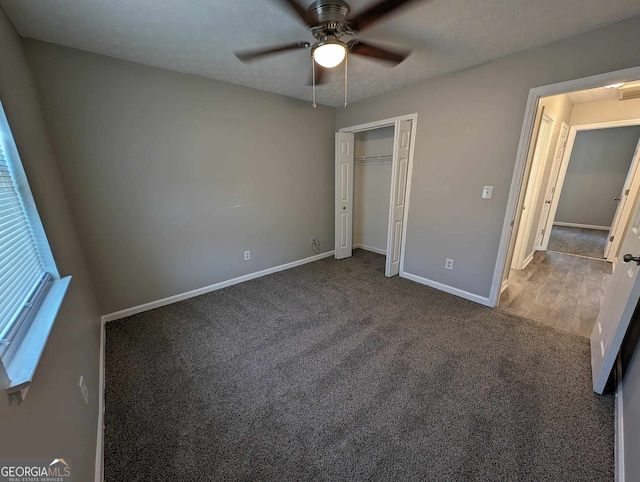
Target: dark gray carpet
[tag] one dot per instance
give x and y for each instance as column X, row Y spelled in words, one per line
column 330, row 371
column 580, row 241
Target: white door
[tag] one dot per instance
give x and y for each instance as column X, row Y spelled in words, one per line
column 540, row 155
column 629, row 192
column 617, row 308
column 344, row 194
column 399, row 171
column 546, row 220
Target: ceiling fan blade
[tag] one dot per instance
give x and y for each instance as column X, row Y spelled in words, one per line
column 251, row 55
column 376, row 12
column 357, row 47
column 299, row 10
column 321, row 76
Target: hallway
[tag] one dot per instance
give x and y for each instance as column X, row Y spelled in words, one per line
column 559, row 290
column 579, row 241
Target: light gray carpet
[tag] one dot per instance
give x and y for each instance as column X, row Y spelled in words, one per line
column 580, row 241
column 330, row 371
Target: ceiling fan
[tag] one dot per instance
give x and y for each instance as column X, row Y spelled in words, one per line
column 329, row 21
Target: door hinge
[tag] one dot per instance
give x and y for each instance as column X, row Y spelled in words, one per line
column 626, row 193
column 542, row 233
column 512, row 221
column 611, row 238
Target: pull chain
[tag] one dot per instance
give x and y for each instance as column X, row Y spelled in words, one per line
column 313, row 81
column 346, row 76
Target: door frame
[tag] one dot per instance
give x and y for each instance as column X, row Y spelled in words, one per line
column 564, row 166
column 534, row 182
column 535, row 94
column 386, row 123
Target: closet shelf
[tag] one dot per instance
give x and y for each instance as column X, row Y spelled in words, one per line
column 368, row 160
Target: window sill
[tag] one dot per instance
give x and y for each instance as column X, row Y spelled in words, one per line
column 21, row 365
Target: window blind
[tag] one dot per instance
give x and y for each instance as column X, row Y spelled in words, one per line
column 22, row 275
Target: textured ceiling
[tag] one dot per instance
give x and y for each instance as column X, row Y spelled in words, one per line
column 199, row 36
column 592, row 95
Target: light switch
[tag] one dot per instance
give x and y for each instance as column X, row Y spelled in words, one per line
column 486, row 192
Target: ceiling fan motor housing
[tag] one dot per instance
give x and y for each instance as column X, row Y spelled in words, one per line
column 330, row 14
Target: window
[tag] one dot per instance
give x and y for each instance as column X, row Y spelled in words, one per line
column 23, row 280
column 31, row 290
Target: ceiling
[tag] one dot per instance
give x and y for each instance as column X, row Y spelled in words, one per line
column 199, row 36
column 592, row 95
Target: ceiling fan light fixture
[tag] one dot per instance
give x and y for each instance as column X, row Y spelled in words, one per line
column 329, row 54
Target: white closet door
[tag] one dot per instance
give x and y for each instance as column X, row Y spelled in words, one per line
column 344, row 194
column 399, row 171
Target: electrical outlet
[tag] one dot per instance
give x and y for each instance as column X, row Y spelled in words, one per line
column 84, row 390
column 448, row 263
column 247, row 255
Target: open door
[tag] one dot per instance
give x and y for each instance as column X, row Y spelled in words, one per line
column 531, row 194
column 344, row 194
column 399, row 172
column 618, row 306
column 623, row 211
column 546, row 218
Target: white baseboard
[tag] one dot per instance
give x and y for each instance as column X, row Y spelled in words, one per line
column 100, row 435
column 505, row 285
column 619, row 423
column 446, row 288
column 370, row 248
column 528, row 260
column 585, row 226
column 208, row 289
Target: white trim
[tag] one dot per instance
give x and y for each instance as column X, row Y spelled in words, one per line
column 207, row 289
column 584, row 226
column 100, row 436
column 370, row 248
column 528, row 260
column 446, row 288
column 619, row 423
column 505, row 285
column 578, row 255
column 525, row 136
column 391, row 121
column 414, row 129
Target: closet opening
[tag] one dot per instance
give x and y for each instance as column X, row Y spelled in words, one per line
column 373, row 177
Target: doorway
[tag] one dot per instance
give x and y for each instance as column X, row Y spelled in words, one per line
column 573, row 201
column 559, row 284
column 373, row 178
column 596, row 186
column 524, row 247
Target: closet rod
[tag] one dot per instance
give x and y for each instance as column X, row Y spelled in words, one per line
column 375, row 158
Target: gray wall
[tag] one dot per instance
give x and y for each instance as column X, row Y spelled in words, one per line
column 372, row 189
column 173, row 176
column 469, row 126
column 54, row 420
column 598, row 167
